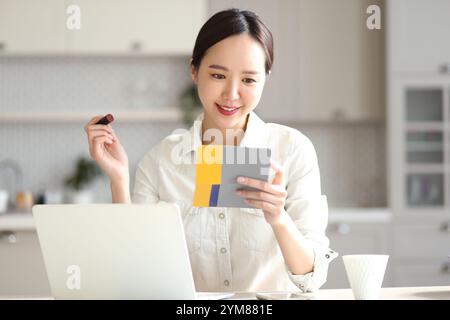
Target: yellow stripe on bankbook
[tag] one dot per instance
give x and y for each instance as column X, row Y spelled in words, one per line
column 209, row 165
column 208, row 172
column 202, row 195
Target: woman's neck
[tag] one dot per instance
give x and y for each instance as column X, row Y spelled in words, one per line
column 225, row 136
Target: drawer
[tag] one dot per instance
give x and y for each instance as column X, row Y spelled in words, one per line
column 430, row 274
column 422, row 241
column 22, row 269
column 358, row 238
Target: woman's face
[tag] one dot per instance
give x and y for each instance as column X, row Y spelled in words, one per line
column 230, row 81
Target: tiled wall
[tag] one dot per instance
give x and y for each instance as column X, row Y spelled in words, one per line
column 351, row 157
column 93, row 83
column 352, row 160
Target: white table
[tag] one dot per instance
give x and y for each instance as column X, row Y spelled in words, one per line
column 396, row 293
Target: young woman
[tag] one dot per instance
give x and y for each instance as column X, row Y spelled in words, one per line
column 280, row 243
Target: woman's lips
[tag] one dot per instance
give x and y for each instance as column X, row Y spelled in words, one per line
column 227, row 111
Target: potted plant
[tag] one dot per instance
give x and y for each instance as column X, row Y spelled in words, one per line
column 86, row 171
column 190, row 104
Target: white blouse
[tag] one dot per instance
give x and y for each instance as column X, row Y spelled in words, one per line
column 233, row 249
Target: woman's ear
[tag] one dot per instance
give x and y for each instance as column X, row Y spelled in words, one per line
column 194, row 72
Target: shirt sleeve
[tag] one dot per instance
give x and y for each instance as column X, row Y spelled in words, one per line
column 308, row 209
column 146, row 181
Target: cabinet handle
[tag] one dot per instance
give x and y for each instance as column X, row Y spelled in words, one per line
column 338, row 114
column 136, row 46
column 8, row 236
column 445, row 227
column 445, row 267
column 343, row 228
column 445, row 68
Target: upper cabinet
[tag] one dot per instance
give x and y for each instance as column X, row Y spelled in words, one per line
column 328, row 65
column 278, row 98
column 419, row 107
column 340, row 62
column 419, row 37
column 32, row 26
column 107, row 27
column 142, row 26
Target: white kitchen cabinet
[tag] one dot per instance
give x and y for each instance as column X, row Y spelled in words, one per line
column 420, row 33
column 422, row 240
column 419, row 139
column 421, row 248
column 419, row 144
column 340, row 64
column 22, row 269
column 327, row 66
column 417, row 274
column 278, row 98
column 148, row 27
column 141, row 26
column 348, row 237
column 32, row 26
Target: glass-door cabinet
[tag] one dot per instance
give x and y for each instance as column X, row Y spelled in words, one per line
column 420, row 146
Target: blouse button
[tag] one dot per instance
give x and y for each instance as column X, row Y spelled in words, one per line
column 223, row 250
column 327, row 256
column 226, row 283
column 221, row 215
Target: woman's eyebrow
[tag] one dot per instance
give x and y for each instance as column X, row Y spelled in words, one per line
column 216, row 66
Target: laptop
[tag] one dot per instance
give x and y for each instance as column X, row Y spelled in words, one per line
column 116, row 251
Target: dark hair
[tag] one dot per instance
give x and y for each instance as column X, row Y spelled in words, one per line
column 228, row 23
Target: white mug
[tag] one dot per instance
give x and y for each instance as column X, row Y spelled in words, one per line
column 365, row 273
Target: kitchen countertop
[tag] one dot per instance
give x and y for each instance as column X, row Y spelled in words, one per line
column 394, row 293
column 23, row 221
column 17, row 221
column 360, row 214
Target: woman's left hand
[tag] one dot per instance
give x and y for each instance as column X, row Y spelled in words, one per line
column 270, row 198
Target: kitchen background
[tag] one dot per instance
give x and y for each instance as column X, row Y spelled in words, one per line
column 105, row 85
column 338, row 82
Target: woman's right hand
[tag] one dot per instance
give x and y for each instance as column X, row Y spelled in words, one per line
column 106, row 150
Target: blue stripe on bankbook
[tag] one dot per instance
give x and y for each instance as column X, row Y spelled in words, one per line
column 214, row 195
